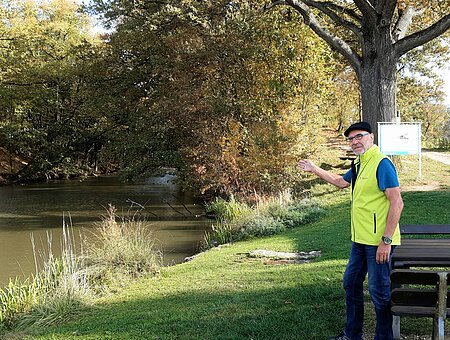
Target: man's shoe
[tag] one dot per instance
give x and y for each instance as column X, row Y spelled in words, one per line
column 341, row 336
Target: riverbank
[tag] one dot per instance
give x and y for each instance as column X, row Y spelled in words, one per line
column 175, row 217
column 11, row 165
column 225, row 294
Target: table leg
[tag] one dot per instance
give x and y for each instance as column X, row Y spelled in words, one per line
column 396, row 327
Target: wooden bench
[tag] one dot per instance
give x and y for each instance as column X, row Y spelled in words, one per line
column 421, row 292
column 430, row 299
column 411, row 245
column 426, row 229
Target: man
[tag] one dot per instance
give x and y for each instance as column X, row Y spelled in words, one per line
column 375, row 211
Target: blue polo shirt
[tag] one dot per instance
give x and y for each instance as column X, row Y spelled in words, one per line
column 386, row 175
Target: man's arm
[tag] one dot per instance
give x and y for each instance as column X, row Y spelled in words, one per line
column 395, row 209
column 395, row 199
column 327, row 176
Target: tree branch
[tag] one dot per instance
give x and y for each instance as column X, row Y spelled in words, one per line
column 342, row 9
column 404, row 22
column 387, row 8
column 367, row 10
column 310, row 20
column 26, row 84
column 422, row 37
column 275, row 3
column 335, row 17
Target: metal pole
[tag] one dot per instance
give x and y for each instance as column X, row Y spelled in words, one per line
column 420, row 150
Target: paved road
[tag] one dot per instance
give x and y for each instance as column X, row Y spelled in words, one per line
column 438, row 156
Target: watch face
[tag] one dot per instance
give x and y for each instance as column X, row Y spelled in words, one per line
column 386, row 240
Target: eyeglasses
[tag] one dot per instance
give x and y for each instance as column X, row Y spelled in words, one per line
column 359, row 136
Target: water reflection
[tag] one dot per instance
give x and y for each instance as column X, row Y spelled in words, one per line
column 175, row 217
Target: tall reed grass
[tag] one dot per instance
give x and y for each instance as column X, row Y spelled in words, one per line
column 16, row 299
column 65, row 285
column 119, row 250
column 53, row 293
column 237, row 221
column 227, row 210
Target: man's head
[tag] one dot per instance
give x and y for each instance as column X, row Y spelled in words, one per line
column 360, row 137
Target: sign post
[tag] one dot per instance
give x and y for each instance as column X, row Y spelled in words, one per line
column 400, row 139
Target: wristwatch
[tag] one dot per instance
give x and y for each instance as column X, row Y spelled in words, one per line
column 386, row 240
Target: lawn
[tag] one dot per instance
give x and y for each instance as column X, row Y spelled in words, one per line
column 225, row 294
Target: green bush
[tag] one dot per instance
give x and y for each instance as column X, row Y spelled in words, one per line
column 270, row 215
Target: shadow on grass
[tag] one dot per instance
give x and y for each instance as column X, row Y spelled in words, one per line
column 426, row 207
column 290, row 313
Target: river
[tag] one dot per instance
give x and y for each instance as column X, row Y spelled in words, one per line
column 38, row 210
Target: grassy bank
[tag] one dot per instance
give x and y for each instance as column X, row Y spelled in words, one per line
column 224, row 294
column 114, row 255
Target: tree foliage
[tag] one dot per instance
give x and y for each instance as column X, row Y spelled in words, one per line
column 226, row 94
column 229, row 97
column 45, row 64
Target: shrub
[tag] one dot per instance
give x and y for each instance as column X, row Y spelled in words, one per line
column 270, row 215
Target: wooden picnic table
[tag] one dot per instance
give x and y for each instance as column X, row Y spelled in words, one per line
column 420, row 251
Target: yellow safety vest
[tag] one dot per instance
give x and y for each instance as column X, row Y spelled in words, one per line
column 370, row 205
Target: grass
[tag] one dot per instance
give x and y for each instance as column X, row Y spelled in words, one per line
column 224, row 294
column 117, row 253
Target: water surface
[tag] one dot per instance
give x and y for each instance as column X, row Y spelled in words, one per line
column 176, row 218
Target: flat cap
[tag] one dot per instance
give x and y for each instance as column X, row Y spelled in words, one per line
column 363, row 126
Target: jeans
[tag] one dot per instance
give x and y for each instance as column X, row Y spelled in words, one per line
column 363, row 261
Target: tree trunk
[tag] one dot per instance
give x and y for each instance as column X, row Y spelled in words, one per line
column 377, row 78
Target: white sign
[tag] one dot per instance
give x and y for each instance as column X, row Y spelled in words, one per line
column 399, row 138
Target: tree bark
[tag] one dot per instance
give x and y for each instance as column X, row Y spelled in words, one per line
column 377, row 75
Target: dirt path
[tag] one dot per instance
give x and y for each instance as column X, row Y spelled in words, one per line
column 438, row 156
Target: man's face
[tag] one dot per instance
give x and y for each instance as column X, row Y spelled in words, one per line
column 360, row 141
